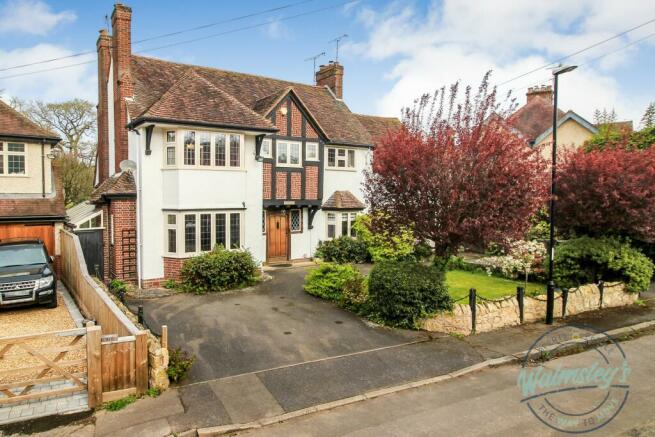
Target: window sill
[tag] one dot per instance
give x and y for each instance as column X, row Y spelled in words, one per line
column 233, row 169
column 277, row 164
column 25, row 175
column 340, row 169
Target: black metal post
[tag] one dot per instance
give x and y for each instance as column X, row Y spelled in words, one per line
column 472, row 304
column 565, row 300
column 520, row 297
column 140, row 314
column 550, row 291
column 601, row 289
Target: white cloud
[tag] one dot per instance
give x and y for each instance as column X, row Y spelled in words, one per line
column 31, row 16
column 276, row 30
column 460, row 40
column 56, row 85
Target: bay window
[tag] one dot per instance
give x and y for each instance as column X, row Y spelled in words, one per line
column 219, row 150
column 170, row 147
column 200, row 231
column 344, row 227
column 205, row 149
column 190, row 148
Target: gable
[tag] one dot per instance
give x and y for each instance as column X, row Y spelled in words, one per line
column 297, row 121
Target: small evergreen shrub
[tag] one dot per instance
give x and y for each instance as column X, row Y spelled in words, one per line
column 328, row 280
column 218, row 270
column 355, row 293
column 117, row 286
column 384, row 245
column 179, row 364
column 584, row 260
column 401, row 292
column 343, row 250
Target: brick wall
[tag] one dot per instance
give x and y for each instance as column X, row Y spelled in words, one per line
column 296, row 121
column 120, row 257
column 267, row 180
column 281, row 120
column 311, row 182
column 310, row 132
column 296, row 185
column 121, row 20
column 281, row 185
column 104, row 55
column 172, row 268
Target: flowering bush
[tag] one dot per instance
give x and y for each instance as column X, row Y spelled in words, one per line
column 523, row 257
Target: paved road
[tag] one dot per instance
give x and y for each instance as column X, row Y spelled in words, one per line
column 486, row 403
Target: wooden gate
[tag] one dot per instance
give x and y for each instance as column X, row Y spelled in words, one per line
column 91, row 243
column 29, row 364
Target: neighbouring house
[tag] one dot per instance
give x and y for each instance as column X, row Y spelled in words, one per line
column 190, row 157
column 534, row 122
column 31, row 194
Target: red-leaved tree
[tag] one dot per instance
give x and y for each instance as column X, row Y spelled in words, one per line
column 610, row 192
column 456, row 173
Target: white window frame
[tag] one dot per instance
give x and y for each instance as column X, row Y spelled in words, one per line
column 98, row 214
column 179, row 227
column 345, row 158
column 4, row 156
column 168, row 145
column 267, row 154
column 288, row 146
column 300, row 221
column 338, row 220
column 180, row 150
column 316, row 156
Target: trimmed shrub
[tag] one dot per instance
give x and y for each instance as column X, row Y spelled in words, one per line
column 218, row 270
column 401, row 292
column 343, row 250
column 585, row 260
column 385, row 246
column 328, row 280
column 355, row 293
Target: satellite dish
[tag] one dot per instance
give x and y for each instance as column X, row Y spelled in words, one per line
column 127, row 165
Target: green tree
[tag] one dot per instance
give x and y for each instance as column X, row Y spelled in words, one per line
column 648, row 119
column 75, row 122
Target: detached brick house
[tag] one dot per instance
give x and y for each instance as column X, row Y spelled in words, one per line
column 31, row 195
column 221, row 157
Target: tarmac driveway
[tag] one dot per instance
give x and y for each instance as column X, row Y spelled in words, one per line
column 275, row 324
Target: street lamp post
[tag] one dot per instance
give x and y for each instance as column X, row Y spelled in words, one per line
column 550, row 303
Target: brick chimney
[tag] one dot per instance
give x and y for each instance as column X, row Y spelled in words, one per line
column 543, row 91
column 331, row 75
column 103, row 46
column 121, row 23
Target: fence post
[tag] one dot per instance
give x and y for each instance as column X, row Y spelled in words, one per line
column 140, row 314
column 141, row 362
column 164, row 336
column 601, row 289
column 94, row 365
column 565, row 299
column 520, row 297
column 472, row 301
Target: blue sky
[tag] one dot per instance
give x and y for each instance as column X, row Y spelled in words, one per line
column 395, row 51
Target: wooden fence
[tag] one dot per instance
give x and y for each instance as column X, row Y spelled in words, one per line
column 122, row 368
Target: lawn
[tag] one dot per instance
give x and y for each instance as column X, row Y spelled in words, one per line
column 491, row 287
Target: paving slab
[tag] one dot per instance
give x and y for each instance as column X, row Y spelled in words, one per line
column 246, row 398
column 201, row 408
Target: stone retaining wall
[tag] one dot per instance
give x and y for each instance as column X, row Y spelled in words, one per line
column 492, row 315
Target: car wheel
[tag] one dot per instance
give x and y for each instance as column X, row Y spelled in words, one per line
column 53, row 304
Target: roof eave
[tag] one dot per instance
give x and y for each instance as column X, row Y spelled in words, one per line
column 29, row 138
column 141, row 120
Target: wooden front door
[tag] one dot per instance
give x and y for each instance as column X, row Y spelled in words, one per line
column 277, row 236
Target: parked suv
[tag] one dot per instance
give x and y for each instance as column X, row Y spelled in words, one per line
column 27, row 274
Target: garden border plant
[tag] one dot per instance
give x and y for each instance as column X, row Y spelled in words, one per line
column 218, row 270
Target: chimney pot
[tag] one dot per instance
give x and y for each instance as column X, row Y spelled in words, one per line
column 544, row 92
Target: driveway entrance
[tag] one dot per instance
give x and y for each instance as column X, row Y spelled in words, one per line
column 276, row 324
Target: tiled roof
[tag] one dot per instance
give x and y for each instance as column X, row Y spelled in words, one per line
column 153, row 78
column 378, row 126
column 533, row 118
column 343, row 200
column 35, row 205
column 120, row 184
column 192, row 98
column 16, row 124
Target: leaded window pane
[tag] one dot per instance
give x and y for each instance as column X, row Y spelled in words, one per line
column 205, row 232
column 190, row 148
column 190, row 233
column 296, row 220
column 220, row 229
column 219, row 152
column 331, row 157
column 235, row 230
column 205, row 149
column 235, row 150
column 172, row 241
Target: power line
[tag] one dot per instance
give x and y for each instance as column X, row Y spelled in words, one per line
column 240, row 29
column 165, row 35
column 618, row 35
